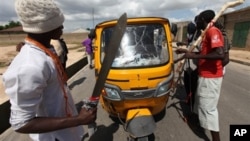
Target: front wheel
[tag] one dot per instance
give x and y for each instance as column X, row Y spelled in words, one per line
column 138, row 139
column 145, row 138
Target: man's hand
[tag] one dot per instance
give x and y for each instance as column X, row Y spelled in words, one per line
column 87, row 116
column 181, row 50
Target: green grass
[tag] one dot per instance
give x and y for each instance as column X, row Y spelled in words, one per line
column 3, row 64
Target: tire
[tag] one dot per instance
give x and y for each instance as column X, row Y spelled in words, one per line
column 138, row 139
column 145, row 138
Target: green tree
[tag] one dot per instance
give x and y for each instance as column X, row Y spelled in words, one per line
column 10, row 25
column 1, row 27
column 14, row 24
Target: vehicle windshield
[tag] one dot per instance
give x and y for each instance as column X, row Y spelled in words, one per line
column 141, row 46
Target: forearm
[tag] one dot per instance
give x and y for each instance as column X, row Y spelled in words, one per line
column 208, row 56
column 45, row 124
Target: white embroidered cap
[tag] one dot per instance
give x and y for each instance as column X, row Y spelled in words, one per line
column 39, row 16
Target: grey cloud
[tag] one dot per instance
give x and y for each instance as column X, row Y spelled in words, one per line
column 80, row 13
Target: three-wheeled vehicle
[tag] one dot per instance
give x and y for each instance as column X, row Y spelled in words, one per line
column 141, row 75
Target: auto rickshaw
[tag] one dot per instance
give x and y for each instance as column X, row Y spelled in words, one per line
column 140, row 78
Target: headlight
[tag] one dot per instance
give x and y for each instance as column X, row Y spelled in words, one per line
column 163, row 89
column 112, row 94
column 165, row 86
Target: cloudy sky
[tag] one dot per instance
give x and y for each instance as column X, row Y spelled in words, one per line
column 86, row 14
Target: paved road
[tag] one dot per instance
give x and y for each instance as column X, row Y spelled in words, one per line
column 233, row 109
column 170, row 127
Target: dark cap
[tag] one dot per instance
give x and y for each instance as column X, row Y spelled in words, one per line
column 207, row 15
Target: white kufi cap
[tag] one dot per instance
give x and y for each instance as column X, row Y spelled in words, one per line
column 39, row 16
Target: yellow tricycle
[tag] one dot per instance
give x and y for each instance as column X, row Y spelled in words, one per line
column 140, row 78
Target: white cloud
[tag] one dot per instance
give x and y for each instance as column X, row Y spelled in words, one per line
column 80, row 14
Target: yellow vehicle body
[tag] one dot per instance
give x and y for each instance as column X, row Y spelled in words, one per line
column 142, row 73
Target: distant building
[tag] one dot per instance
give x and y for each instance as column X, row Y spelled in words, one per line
column 81, row 30
column 236, row 23
column 181, row 35
column 13, row 30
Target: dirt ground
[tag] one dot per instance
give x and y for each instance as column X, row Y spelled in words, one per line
column 7, row 53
